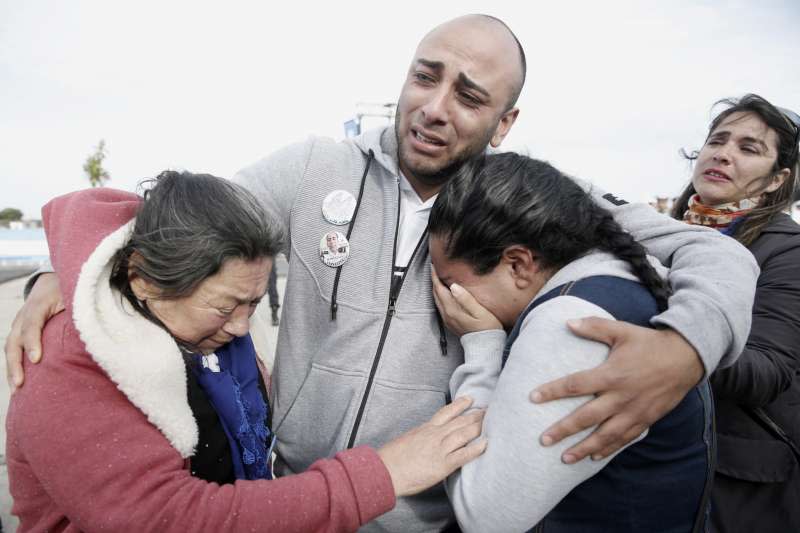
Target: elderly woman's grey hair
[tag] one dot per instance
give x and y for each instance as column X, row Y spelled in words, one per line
column 187, row 227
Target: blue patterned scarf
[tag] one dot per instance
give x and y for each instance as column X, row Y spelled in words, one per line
column 235, row 395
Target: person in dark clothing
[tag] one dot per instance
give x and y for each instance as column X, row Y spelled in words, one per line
column 743, row 180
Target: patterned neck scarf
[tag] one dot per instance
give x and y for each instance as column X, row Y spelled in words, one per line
column 230, row 381
column 717, row 216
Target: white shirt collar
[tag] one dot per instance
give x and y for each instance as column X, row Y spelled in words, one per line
column 411, row 196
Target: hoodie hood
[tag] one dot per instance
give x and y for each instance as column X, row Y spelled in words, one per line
column 84, row 232
column 76, row 223
column 383, row 143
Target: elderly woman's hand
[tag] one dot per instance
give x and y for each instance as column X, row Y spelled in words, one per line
column 460, row 310
column 425, row 455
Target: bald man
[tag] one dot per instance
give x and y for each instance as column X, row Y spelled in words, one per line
column 362, row 355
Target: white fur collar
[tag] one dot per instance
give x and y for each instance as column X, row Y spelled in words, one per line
column 140, row 357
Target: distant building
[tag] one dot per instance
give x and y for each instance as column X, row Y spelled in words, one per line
column 662, row 204
column 25, row 224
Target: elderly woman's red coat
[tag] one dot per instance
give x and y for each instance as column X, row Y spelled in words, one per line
column 100, row 434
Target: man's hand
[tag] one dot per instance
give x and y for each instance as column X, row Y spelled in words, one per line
column 43, row 302
column 460, row 311
column 648, row 372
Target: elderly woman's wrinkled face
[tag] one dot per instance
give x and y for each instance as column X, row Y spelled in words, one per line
column 218, row 310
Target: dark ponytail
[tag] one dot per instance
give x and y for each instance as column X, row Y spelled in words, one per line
column 501, row 200
column 612, row 238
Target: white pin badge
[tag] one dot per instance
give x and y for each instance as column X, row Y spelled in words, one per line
column 338, row 207
column 334, row 249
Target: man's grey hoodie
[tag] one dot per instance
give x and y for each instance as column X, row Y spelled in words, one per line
column 379, row 368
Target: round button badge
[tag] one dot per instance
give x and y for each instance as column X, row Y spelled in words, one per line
column 338, row 207
column 334, row 249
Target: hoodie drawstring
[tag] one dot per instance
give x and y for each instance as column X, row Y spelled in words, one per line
column 334, row 305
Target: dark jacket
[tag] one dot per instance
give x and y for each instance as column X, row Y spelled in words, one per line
column 765, row 376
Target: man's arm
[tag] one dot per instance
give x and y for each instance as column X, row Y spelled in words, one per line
column 275, row 180
column 711, row 307
column 649, row 371
column 43, row 300
column 45, row 268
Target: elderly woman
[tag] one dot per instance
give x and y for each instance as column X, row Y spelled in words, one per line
column 742, row 182
column 150, row 413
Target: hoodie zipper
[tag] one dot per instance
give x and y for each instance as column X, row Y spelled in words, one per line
column 394, row 292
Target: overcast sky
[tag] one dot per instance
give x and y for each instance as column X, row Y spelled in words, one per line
column 614, row 89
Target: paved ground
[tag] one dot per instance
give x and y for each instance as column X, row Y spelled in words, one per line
column 10, row 273
column 10, row 302
column 264, row 336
